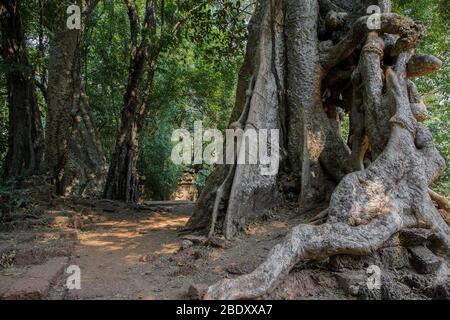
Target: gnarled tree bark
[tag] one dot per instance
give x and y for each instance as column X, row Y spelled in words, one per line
column 122, row 180
column 74, row 154
column 25, row 142
column 235, row 192
column 333, row 58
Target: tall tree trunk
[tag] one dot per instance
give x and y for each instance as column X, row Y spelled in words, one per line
column 25, row 144
column 286, row 96
column 235, row 192
column 74, row 154
column 122, row 179
column 329, row 54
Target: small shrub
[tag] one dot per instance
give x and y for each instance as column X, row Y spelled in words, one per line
column 11, row 199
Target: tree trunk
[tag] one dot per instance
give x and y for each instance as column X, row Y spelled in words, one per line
column 74, row 154
column 235, row 193
column 326, row 54
column 25, row 144
column 122, row 180
column 316, row 156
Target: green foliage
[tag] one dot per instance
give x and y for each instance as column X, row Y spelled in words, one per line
column 220, row 29
column 11, row 199
column 187, row 89
column 3, row 120
column 105, row 68
column 202, row 176
column 30, row 13
column 436, row 87
column 196, row 75
column 3, row 132
column 161, row 175
column 189, row 85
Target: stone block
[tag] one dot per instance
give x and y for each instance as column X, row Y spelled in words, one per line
column 423, row 260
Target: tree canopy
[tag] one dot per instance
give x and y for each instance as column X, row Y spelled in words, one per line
column 196, row 75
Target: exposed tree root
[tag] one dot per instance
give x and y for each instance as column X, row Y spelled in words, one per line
column 442, row 202
column 367, row 208
column 421, row 65
column 383, row 181
column 287, row 95
column 307, row 242
column 392, row 23
column 220, row 194
column 418, row 107
column 375, row 116
column 319, row 217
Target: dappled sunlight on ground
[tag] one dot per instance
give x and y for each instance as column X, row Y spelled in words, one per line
column 129, row 253
column 117, row 235
column 132, row 254
column 161, row 222
column 266, row 229
column 169, row 248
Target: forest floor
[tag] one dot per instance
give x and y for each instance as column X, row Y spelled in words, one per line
column 136, row 252
column 132, row 252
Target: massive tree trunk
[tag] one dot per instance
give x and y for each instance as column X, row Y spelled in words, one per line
column 122, row 179
column 234, row 193
column 283, row 62
column 308, row 58
column 74, row 154
column 25, row 144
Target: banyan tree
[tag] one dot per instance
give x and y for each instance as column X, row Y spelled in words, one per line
column 308, row 64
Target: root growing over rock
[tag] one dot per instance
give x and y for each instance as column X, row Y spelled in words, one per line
column 308, row 60
column 367, row 208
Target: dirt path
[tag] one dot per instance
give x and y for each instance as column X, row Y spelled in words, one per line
column 141, row 257
column 113, row 256
column 137, row 253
